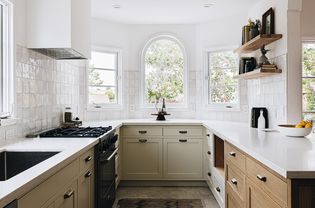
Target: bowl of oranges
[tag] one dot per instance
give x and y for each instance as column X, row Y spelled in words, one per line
column 301, row 129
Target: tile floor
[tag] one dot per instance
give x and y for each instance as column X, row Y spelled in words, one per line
column 202, row 193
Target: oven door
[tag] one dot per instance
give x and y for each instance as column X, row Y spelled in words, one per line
column 106, row 178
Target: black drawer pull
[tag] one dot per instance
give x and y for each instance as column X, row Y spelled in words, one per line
column 209, row 174
column 218, row 189
column 208, row 135
column 142, row 132
column 234, row 181
column 183, row 132
column 183, row 140
column 209, row 153
column 88, row 158
column 233, row 154
column 88, row 174
column 262, row 178
column 143, row 140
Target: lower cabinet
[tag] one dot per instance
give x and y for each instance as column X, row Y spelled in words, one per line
column 256, row 198
column 183, row 158
column 86, row 189
column 70, row 187
column 142, row 158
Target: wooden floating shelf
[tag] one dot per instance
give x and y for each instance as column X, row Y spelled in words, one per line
column 258, row 73
column 257, row 42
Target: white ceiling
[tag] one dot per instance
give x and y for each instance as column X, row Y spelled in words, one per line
column 168, row 11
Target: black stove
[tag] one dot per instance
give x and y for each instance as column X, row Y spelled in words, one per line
column 77, row 132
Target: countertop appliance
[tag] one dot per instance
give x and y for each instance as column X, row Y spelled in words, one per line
column 255, row 116
column 105, row 152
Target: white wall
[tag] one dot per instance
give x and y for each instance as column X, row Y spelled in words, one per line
column 307, row 20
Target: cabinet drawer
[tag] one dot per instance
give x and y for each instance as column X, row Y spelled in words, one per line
column 231, row 198
column 192, row 131
column 48, row 188
column 87, row 159
column 267, row 181
column 236, row 180
column 136, row 131
column 235, row 156
column 218, row 189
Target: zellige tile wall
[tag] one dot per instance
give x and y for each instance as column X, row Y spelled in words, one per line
column 44, row 87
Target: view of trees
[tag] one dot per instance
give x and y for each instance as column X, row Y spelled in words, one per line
column 308, row 79
column 223, row 88
column 164, row 72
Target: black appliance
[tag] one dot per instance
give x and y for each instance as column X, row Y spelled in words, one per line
column 255, row 115
column 13, row 204
column 105, row 152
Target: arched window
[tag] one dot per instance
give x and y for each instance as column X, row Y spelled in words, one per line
column 164, row 70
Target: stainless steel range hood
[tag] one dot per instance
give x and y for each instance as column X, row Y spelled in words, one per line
column 60, row 53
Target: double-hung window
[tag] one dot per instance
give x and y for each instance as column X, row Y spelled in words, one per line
column 6, row 57
column 222, row 89
column 103, row 78
column 308, row 79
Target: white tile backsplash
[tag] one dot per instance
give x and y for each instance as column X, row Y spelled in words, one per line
column 44, row 86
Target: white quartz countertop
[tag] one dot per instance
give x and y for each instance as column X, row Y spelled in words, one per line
column 289, row 157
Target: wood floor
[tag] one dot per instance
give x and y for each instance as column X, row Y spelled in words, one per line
column 202, row 193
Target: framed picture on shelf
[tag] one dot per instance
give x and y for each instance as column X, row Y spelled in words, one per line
column 268, row 22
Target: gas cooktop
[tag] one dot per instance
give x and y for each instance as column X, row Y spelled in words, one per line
column 76, row 132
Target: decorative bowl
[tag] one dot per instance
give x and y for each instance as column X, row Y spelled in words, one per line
column 291, row 131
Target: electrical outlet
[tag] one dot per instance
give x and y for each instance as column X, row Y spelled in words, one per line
column 132, row 108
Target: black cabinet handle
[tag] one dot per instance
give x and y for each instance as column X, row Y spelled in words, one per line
column 209, row 153
column 208, row 135
column 209, row 174
column 234, row 181
column 183, row 132
column 88, row 158
column 183, row 140
column 262, row 178
column 68, row 194
column 143, row 140
column 142, row 132
column 116, row 175
column 88, row 174
column 233, row 154
column 218, row 189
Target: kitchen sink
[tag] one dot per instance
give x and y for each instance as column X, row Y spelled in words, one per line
column 13, row 163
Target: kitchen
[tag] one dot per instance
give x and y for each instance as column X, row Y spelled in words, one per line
column 92, row 64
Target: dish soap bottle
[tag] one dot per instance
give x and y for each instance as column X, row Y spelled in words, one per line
column 261, row 120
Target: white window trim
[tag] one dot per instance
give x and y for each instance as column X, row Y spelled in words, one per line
column 217, row 106
column 179, row 106
column 8, row 59
column 109, row 106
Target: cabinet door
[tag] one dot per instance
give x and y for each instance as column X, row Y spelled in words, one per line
column 86, row 189
column 256, row 198
column 183, row 158
column 68, row 197
column 231, row 199
column 142, row 158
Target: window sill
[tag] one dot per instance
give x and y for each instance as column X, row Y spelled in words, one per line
column 222, row 108
column 8, row 122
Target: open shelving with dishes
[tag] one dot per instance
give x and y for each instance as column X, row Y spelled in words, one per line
column 257, row 73
column 257, row 42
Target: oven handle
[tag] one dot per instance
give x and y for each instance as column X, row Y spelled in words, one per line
column 111, row 156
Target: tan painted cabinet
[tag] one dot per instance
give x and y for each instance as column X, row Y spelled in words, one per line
column 183, row 158
column 70, row 187
column 86, row 189
column 142, row 158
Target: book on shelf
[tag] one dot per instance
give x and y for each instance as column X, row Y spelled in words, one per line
column 269, row 66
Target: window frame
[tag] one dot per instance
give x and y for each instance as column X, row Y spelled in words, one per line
column 305, row 41
column 7, row 70
column 207, row 72
column 109, row 106
column 173, row 106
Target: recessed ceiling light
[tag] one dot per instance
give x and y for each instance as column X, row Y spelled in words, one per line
column 208, row 5
column 116, row 6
